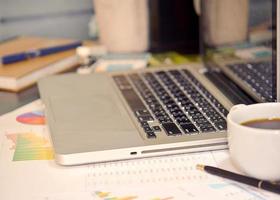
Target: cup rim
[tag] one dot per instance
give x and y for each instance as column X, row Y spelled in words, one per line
column 256, row 130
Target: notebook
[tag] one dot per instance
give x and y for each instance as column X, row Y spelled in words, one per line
column 19, row 75
column 160, row 111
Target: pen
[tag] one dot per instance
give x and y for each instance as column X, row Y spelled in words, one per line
column 266, row 185
column 37, row 52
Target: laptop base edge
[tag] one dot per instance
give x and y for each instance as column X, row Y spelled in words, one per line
column 135, row 153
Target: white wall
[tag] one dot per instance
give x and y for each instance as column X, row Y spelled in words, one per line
column 54, row 18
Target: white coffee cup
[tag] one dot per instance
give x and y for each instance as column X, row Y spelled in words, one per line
column 254, row 151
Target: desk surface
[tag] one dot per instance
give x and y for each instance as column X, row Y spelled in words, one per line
column 27, row 167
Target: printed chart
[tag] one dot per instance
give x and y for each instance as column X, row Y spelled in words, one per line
column 32, row 118
column 107, row 196
column 112, row 196
column 30, row 146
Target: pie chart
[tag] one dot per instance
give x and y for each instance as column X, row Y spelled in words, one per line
column 32, row 118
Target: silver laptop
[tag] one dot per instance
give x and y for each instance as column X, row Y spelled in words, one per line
column 169, row 110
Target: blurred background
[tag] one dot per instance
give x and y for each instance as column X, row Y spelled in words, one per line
column 173, row 24
column 52, row 18
column 169, row 21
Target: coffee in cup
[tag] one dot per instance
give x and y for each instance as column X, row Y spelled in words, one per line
column 267, row 123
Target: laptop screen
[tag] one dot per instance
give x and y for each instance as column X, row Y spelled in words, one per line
column 239, row 40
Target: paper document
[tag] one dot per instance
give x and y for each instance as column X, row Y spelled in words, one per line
column 28, row 171
column 166, row 169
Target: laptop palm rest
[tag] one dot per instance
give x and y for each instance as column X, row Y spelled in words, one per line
column 98, row 113
column 88, row 122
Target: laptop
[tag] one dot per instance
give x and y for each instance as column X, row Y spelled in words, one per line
column 169, row 110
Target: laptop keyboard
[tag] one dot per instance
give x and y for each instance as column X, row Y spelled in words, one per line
column 175, row 99
column 258, row 76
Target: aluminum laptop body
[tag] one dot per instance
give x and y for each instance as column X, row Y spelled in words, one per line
column 133, row 114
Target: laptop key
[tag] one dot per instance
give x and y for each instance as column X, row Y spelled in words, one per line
column 142, row 112
column 147, row 118
column 151, row 134
column 221, row 125
column 156, row 128
column 207, row 127
column 171, row 129
column 144, row 124
column 183, row 120
column 159, row 114
column 165, row 119
column 147, row 129
column 189, row 128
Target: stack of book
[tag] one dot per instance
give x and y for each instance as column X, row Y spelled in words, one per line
column 16, row 76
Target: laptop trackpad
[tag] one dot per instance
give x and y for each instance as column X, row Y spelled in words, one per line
column 100, row 113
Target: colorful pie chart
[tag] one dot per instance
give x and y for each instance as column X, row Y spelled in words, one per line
column 32, row 118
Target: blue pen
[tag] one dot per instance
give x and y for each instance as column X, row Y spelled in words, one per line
column 38, row 52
